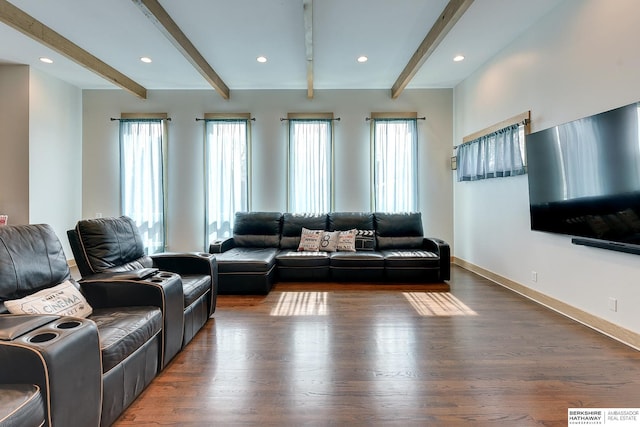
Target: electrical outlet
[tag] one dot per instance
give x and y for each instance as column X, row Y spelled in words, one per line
column 98, row 214
column 534, row 276
column 613, row 304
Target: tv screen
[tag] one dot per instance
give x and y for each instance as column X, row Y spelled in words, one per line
column 584, row 177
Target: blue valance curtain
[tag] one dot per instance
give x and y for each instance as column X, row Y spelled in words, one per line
column 498, row 154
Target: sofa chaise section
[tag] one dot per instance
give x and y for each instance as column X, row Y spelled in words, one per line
column 247, row 261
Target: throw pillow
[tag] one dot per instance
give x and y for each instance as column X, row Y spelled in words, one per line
column 347, row 240
column 310, row 240
column 62, row 300
column 329, row 241
column 365, row 240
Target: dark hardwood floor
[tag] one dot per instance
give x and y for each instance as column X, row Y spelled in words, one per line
column 330, row 354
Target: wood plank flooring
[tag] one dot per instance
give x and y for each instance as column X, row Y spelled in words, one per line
column 356, row 355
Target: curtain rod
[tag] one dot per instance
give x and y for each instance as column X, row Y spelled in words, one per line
column 524, row 122
column 283, row 119
column 366, row 119
column 113, row 119
column 253, row 119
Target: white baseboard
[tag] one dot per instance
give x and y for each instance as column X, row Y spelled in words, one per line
column 625, row 336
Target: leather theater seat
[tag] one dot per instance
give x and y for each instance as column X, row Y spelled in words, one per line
column 107, row 246
column 113, row 354
column 21, row 405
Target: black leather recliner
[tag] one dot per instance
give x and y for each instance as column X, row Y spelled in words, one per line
column 105, row 246
column 88, row 370
column 21, row 405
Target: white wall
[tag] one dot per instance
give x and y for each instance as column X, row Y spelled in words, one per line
column 14, row 143
column 100, row 193
column 55, row 154
column 579, row 60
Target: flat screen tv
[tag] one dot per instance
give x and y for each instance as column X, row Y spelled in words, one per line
column 584, row 179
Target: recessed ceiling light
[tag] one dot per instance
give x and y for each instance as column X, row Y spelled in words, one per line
column 46, row 60
column 146, row 60
column 261, row 59
column 362, row 58
column 458, row 58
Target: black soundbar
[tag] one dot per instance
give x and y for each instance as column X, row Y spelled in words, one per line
column 607, row 244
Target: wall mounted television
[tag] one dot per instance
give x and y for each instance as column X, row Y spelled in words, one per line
column 584, row 179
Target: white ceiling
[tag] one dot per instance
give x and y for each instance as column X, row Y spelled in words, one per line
column 231, row 34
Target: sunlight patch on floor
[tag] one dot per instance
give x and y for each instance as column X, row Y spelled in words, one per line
column 301, row 304
column 437, row 304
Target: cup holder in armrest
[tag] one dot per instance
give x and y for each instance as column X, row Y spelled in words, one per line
column 69, row 324
column 154, row 280
column 165, row 275
column 43, row 337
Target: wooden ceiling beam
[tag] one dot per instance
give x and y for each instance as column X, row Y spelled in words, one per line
column 28, row 25
column 308, row 43
column 161, row 19
column 451, row 14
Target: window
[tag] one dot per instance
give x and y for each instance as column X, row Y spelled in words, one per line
column 310, row 163
column 497, row 154
column 395, row 157
column 142, row 147
column 227, row 142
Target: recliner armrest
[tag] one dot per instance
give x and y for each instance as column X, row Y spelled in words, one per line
column 186, row 262
column 191, row 263
column 164, row 290
column 222, row 245
column 443, row 250
column 62, row 357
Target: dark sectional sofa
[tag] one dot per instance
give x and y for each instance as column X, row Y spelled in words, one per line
column 264, row 249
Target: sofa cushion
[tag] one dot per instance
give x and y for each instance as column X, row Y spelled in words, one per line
column 365, row 240
column 410, row 259
column 292, row 225
column 302, row 259
column 329, row 241
column 31, row 259
column 349, row 220
column 364, row 259
column 257, row 229
column 62, row 300
column 21, row 405
column 124, row 330
column 194, row 286
column 347, row 240
column 310, row 240
column 398, row 230
column 111, row 244
column 247, row 260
